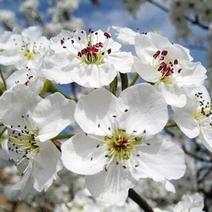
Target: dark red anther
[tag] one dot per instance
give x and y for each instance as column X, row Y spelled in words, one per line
column 156, row 54
column 179, row 70
column 107, row 35
column 109, row 51
column 175, row 61
column 164, row 52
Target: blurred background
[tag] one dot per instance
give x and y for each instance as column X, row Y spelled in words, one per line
column 187, row 22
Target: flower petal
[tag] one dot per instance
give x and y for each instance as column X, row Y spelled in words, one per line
column 122, row 61
column 46, row 165
column 25, row 102
column 110, row 186
column 83, row 155
column 159, row 159
column 146, row 109
column 174, row 96
column 147, row 72
column 52, row 115
column 125, row 35
column 186, row 122
column 94, row 112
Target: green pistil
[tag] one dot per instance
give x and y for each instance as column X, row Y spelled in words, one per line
column 26, row 142
column 29, row 55
column 167, row 80
column 97, row 59
column 120, row 145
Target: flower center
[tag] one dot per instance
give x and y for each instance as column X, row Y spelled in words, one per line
column 27, row 52
column 94, row 53
column 23, row 142
column 120, row 145
column 165, row 65
column 204, row 110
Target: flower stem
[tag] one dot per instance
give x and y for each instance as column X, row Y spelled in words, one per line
column 49, row 87
column 171, row 125
column 3, row 79
column 135, row 78
column 139, row 200
column 114, row 85
column 124, row 81
column 62, row 136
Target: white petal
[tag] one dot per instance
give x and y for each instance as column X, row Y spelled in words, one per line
column 206, row 133
column 46, row 165
column 26, row 78
column 147, row 72
column 174, row 96
column 16, row 102
column 94, row 76
column 146, row 109
column 125, row 35
column 192, row 74
column 158, row 159
column 33, row 33
column 110, row 186
column 52, row 115
column 122, row 61
column 54, row 68
column 94, row 112
column 169, row 187
column 22, row 188
column 83, row 155
column 186, row 122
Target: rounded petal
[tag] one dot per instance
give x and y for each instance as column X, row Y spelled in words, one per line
column 193, row 74
column 125, row 35
column 83, row 155
column 52, row 115
column 186, row 122
column 94, row 76
column 94, row 112
column 33, row 33
column 206, row 132
column 26, row 78
column 159, row 159
column 15, row 103
column 146, row 109
column 46, row 165
column 147, row 72
column 110, row 186
column 174, row 96
column 122, row 61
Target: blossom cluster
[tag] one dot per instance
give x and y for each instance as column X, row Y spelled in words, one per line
column 120, row 139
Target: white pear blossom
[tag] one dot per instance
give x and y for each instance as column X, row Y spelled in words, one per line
column 91, row 60
column 32, row 122
column 24, row 51
column 190, row 203
column 169, row 66
column 125, row 35
column 196, row 117
column 115, row 149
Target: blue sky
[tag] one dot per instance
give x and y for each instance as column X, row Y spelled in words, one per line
column 111, row 12
column 148, row 18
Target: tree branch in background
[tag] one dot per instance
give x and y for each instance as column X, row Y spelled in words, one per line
column 139, row 200
column 190, row 20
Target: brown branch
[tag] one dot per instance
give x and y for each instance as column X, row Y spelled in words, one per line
column 189, row 19
column 139, row 200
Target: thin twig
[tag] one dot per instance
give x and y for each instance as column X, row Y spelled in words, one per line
column 192, row 21
column 139, row 200
column 195, row 156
